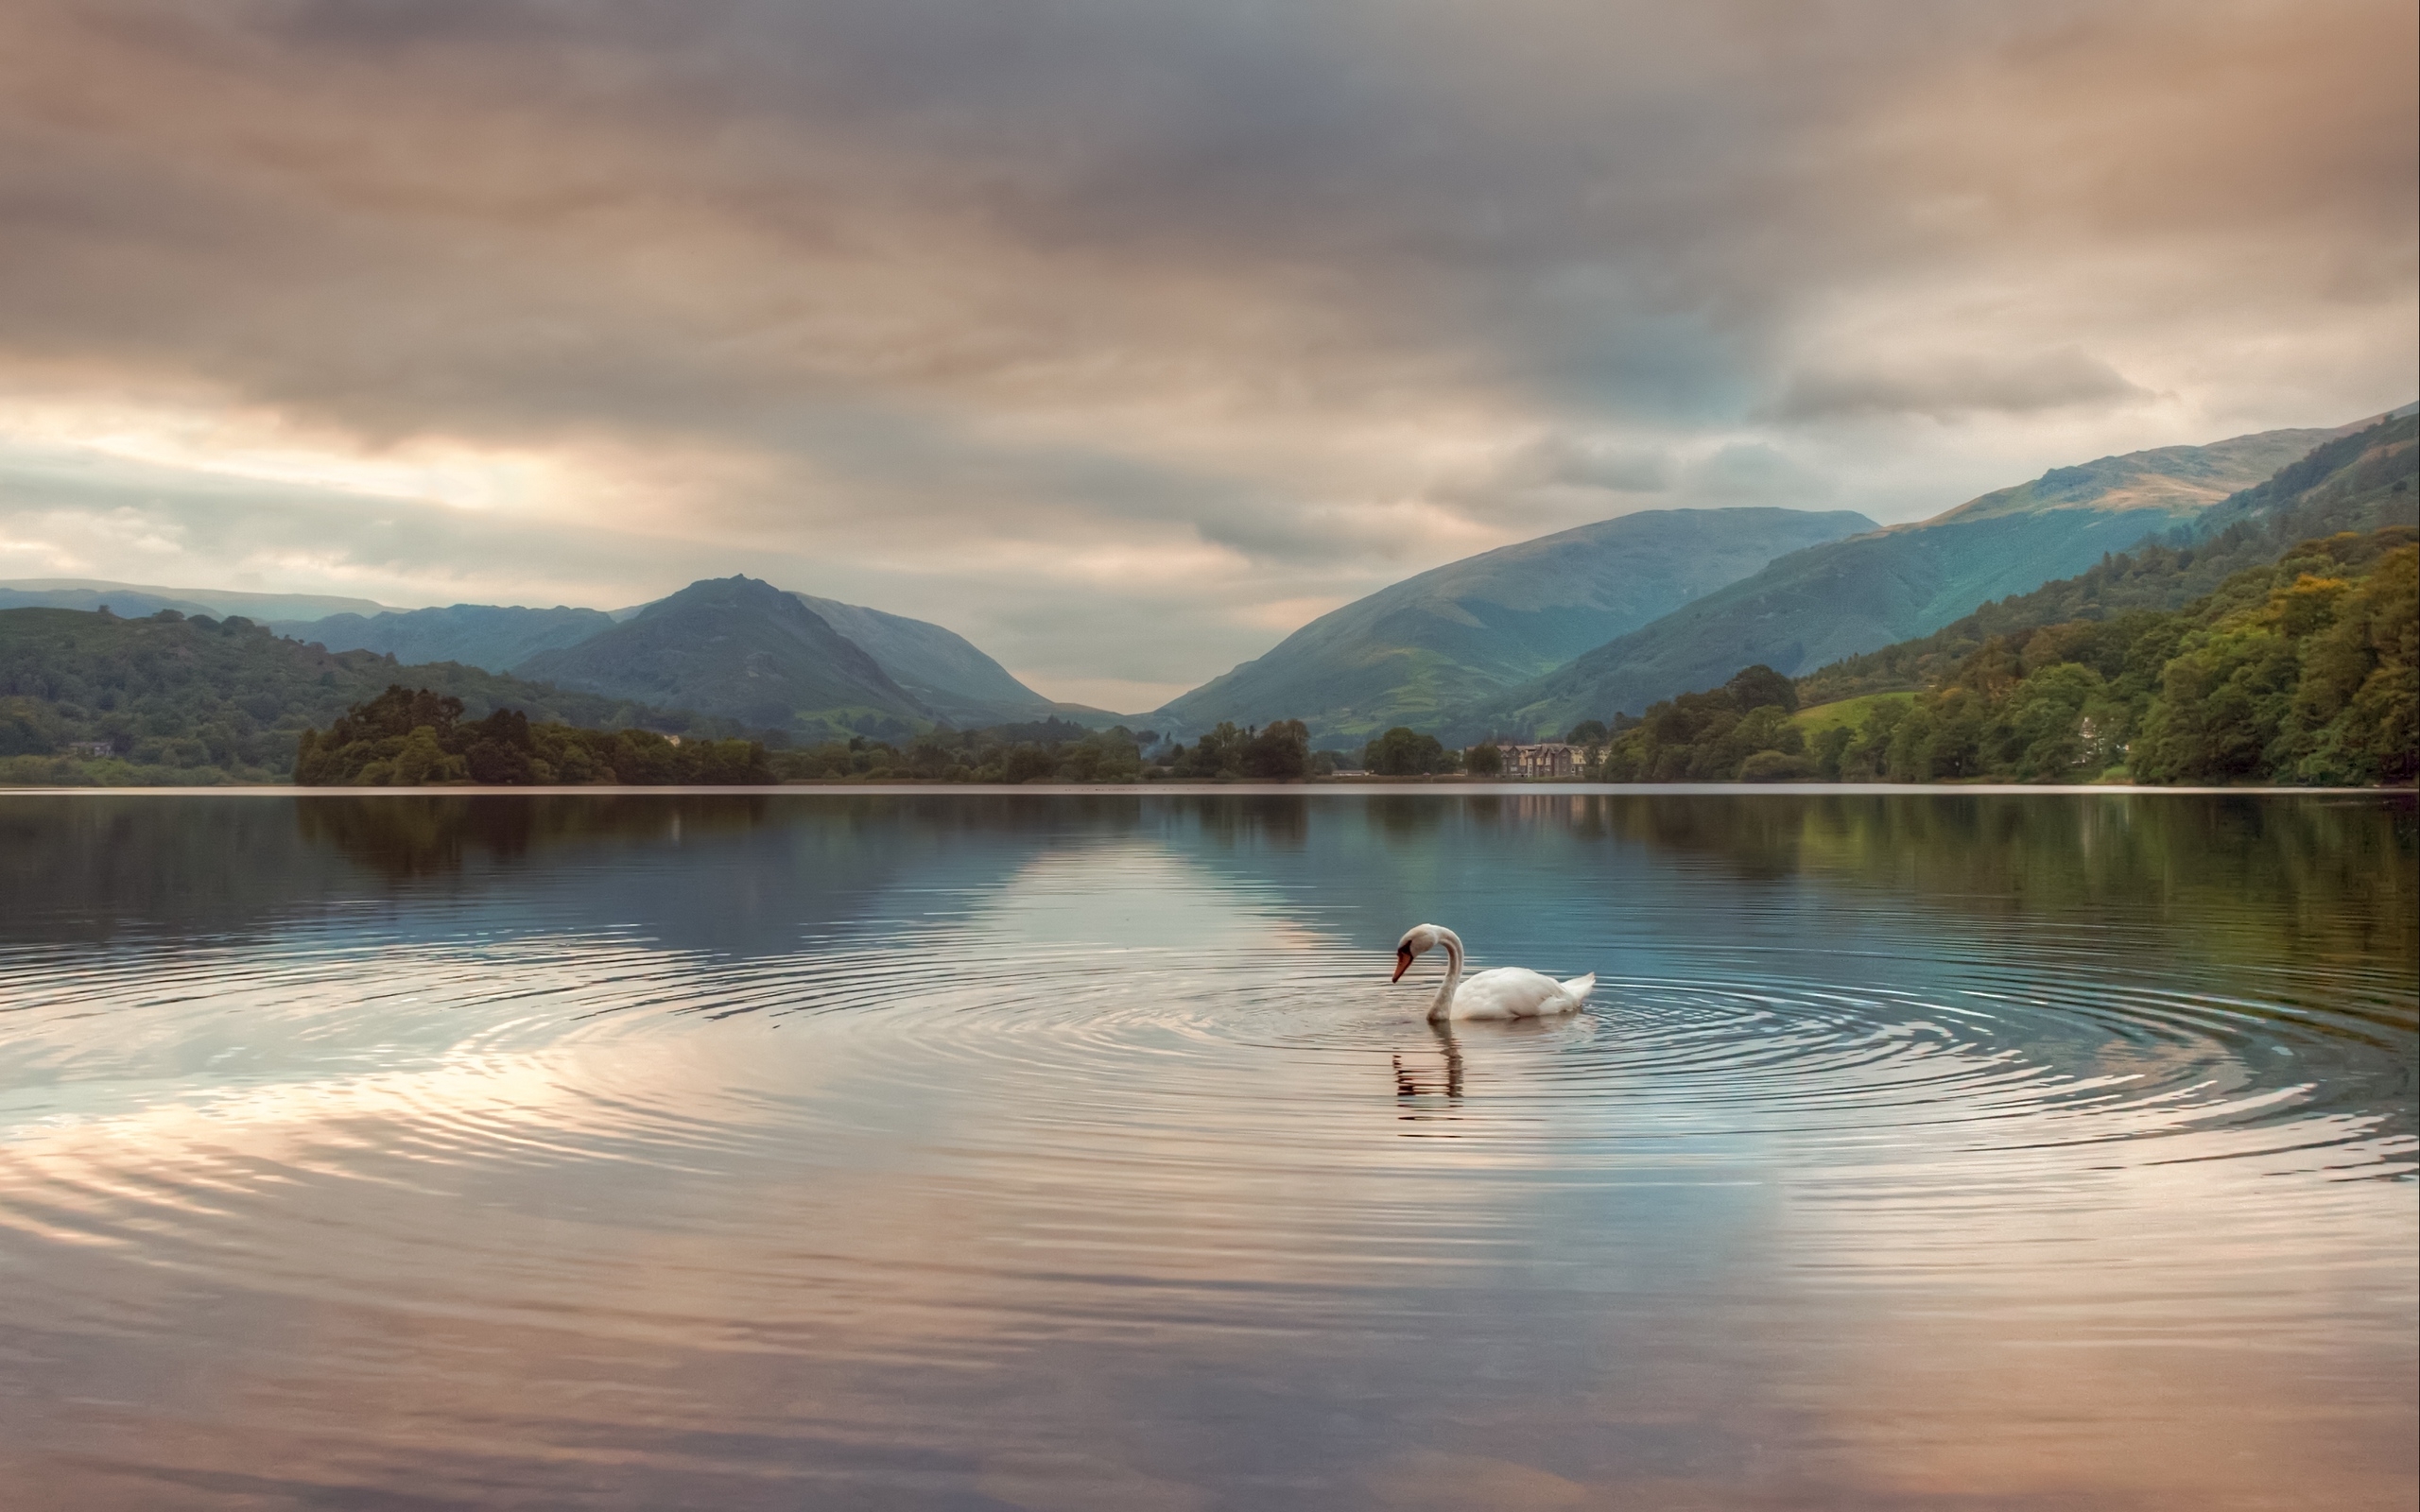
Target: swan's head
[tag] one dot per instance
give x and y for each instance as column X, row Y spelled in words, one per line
column 1417, row 938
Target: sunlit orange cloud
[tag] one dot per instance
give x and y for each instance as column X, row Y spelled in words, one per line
column 861, row 298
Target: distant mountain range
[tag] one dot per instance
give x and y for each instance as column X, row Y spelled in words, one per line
column 1524, row 640
column 1835, row 600
column 133, row 600
column 863, row 671
column 1422, row 650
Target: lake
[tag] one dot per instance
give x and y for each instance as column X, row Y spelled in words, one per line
column 978, row 1151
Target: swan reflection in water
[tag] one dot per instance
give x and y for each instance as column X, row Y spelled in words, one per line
column 1413, row 1081
column 1426, row 1087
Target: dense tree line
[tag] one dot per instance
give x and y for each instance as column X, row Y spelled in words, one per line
column 1040, row 751
column 1056, row 750
column 412, row 737
column 2303, row 671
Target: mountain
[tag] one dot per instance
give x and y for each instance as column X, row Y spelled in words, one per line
column 1834, row 600
column 943, row 670
column 743, row 650
column 479, row 635
column 133, row 600
column 197, row 699
column 2362, row 484
column 1474, row 627
column 2295, row 670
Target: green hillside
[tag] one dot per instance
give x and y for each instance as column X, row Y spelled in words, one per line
column 1838, row 599
column 943, row 670
column 2303, row 670
column 496, row 637
column 743, row 650
column 89, row 697
column 2360, row 482
column 1414, row 652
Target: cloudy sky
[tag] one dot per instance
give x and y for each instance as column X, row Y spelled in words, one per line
column 1124, row 336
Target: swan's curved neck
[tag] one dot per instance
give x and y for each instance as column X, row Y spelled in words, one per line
column 1443, row 1007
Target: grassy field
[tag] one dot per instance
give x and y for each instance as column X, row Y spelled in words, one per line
column 1849, row 712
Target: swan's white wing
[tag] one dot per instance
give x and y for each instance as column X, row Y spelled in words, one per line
column 1578, row 987
column 1511, row 992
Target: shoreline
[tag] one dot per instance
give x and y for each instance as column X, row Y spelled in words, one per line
column 1329, row 788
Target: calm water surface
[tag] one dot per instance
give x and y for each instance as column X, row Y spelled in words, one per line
column 843, row 1151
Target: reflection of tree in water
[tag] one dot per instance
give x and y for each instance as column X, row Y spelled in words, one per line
column 86, row 867
column 2309, row 879
column 1248, row 819
column 402, row 836
column 1403, row 818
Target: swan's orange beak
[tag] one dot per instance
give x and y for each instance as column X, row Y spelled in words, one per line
column 1403, row 962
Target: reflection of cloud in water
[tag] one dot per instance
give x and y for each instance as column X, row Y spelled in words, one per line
column 1139, row 895
column 1067, row 1167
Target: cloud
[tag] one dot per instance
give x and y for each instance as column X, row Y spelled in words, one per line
column 1127, row 302
column 1953, row 386
column 1752, row 473
column 1564, row 462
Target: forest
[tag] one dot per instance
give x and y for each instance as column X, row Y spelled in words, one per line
column 411, row 737
column 2303, row 671
column 167, row 700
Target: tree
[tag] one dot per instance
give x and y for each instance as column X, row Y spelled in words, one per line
column 1278, row 752
column 370, row 744
column 1761, row 687
column 1405, row 752
column 1486, row 759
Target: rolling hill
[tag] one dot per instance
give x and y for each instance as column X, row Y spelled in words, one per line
column 135, row 600
column 480, row 635
column 2361, row 482
column 1838, row 599
column 743, row 650
column 1414, row 651
column 944, row 670
column 195, row 699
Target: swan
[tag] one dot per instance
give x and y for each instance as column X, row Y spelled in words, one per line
column 1506, row 993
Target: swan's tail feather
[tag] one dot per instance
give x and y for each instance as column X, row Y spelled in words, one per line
column 1580, row 987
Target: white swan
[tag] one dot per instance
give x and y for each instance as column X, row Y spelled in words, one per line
column 1506, row 993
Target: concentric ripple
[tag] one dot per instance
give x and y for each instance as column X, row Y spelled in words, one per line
column 1086, row 1157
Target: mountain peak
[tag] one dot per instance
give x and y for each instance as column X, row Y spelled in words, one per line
column 740, row 647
